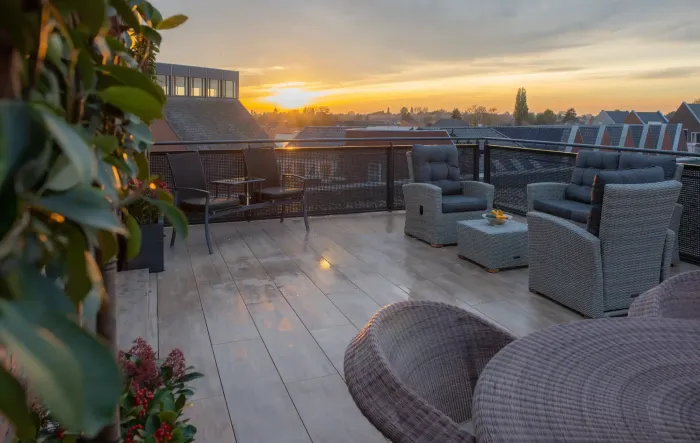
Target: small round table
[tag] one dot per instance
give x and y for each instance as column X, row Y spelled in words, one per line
column 609, row 380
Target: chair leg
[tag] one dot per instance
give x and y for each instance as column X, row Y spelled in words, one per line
column 172, row 238
column 282, row 212
column 206, row 232
column 306, row 216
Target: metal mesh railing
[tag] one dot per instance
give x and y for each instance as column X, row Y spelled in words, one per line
column 689, row 232
column 510, row 170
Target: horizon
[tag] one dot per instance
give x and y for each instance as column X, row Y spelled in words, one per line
column 621, row 54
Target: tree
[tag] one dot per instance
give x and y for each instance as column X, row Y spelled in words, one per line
column 388, row 110
column 548, row 117
column 456, row 115
column 570, row 116
column 76, row 99
column 521, row 111
column 696, row 101
column 403, row 111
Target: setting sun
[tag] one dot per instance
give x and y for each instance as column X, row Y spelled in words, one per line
column 291, row 97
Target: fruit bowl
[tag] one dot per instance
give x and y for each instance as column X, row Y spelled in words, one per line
column 496, row 218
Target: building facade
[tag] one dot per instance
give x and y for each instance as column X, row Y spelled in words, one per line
column 195, row 81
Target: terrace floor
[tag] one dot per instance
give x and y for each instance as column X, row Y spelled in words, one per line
column 267, row 317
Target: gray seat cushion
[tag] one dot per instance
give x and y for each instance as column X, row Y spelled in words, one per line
column 278, row 193
column 197, row 204
column 568, row 209
column 588, row 164
column 632, row 160
column 437, row 165
column 462, row 203
column 624, row 177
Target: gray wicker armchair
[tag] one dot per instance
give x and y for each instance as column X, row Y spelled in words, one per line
column 572, row 200
column 437, row 199
column 598, row 271
column 413, row 369
column 677, row 297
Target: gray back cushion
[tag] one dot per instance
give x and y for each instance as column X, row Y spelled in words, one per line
column 588, row 164
column 437, row 165
column 624, row 177
column 632, row 160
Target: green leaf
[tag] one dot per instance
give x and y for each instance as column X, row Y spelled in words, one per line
column 133, row 100
column 50, row 368
column 141, row 134
column 152, row 35
column 173, row 214
column 133, row 243
column 108, row 245
column 168, row 417
column 136, row 79
column 30, row 281
column 187, row 392
column 86, row 69
column 180, row 402
column 78, row 284
column 152, row 423
column 165, row 196
column 72, row 144
column 142, row 164
column 126, row 13
column 62, row 175
column 92, row 13
column 177, row 435
column 172, row 22
column 105, row 143
column 84, row 205
column 13, row 404
column 106, row 177
column 191, row 376
column 20, row 138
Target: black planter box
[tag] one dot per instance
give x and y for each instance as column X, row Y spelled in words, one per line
column 151, row 253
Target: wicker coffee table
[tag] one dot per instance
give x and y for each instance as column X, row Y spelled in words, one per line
column 493, row 247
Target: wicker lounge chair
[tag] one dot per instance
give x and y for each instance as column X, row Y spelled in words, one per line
column 412, row 370
column 677, row 297
column 437, row 199
column 626, row 249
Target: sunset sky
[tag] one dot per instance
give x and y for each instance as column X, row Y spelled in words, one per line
column 367, row 55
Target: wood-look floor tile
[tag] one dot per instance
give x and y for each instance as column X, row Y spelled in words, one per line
column 333, row 341
column 226, row 313
column 357, row 306
column 210, row 417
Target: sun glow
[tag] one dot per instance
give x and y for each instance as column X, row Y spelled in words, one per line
column 291, row 97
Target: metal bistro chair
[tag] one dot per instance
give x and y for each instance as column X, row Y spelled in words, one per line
column 262, row 163
column 192, row 192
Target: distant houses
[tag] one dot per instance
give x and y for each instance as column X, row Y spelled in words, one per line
column 688, row 115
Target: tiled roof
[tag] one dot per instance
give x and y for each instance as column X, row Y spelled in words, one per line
column 558, row 133
column 695, row 109
column 651, row 117
column 445, row 123
column 636, row 132
column 476, row 132
column 672, row 130
column 618, row 116
column 319, row 132
column 589, row 133
column 194, row 119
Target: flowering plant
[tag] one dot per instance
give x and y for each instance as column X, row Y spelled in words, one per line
column 143, row 210
column 154, row 397
column 151, row 404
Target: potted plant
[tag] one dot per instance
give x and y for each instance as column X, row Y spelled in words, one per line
column 151, row 227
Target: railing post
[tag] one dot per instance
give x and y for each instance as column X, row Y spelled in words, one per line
column 390, row 177
column 487, row 162
column 475, row 161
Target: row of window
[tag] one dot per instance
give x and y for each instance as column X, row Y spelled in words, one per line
column 197, row 87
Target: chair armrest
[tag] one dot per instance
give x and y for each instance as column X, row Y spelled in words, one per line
column 544, row 191
column 294, row 176
column 423, row 194
column 565, row 263
column 667, row 259
column 479, row 189
column 677, row 297
column 202, row 191
column 298, row 177
column 177, row 190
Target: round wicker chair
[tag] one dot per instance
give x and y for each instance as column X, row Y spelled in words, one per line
column 677, row 297
column 413, row 368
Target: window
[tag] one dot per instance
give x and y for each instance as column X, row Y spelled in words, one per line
column 163, row 82
column 197, row 87
column 228, row 88
column 180, row 86
column 695, row 137
column 213, row 88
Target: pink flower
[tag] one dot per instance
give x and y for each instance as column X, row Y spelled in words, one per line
column 141, row 368
column 176, row 362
